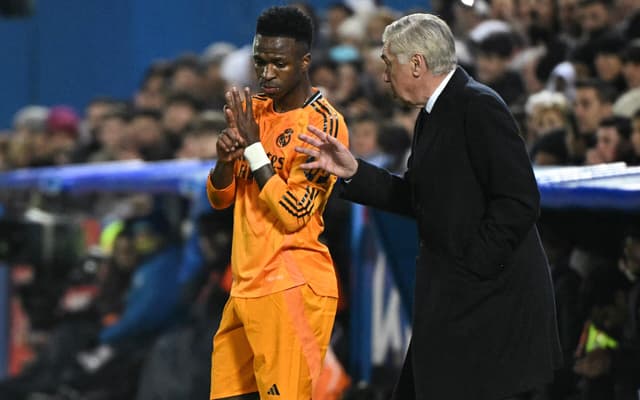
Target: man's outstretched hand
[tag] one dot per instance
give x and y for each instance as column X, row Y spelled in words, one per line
column 328, row 154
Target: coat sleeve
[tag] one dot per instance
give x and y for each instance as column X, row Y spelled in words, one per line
column 499, row 159
column 379, row 188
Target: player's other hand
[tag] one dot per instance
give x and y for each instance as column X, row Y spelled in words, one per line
column 230, row 146
column 242, row 115
column 328, row 154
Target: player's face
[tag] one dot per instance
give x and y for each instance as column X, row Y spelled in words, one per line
column 279, row 63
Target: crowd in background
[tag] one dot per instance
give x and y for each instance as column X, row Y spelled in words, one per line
column 568, row 69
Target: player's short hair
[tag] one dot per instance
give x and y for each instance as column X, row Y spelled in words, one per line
column 286, row 22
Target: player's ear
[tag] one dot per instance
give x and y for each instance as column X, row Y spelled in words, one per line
column 306, row 61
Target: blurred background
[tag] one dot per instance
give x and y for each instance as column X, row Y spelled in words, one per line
column 71, row 52
column 114, row 268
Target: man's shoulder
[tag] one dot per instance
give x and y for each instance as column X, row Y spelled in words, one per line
column 479, row 93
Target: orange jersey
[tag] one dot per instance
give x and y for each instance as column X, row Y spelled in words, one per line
column 276, row 229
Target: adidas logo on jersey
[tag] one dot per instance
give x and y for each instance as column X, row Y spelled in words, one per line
column 273, row 391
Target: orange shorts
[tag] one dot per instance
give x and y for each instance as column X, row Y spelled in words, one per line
column 274, row 345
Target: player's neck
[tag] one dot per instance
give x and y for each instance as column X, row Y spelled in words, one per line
column 294, row 99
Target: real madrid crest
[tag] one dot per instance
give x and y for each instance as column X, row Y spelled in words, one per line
column 284, row 138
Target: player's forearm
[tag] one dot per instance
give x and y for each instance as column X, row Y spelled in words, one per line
column 222, row 175
column 263, row 174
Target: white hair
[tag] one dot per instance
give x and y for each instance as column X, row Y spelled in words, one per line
column 423, row 34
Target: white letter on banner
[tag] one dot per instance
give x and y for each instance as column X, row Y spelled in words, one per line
column 387, row 330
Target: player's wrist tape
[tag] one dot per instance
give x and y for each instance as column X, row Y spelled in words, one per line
column 256, row 156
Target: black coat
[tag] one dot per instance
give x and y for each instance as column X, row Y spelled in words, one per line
column 484, row 324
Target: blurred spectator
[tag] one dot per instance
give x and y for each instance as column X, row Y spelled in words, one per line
column 375, row 24
column 505, row 10
column 89, row 142
column 593, row 103
column 605, row 292
column 336, row 14
column 626, row 359
column 405, row 117
column 201, row 136
column 395, row 142
column 187, row 76
column 569, row 20
column 113, row 278
column 613, row 142
column 546, row 111
column 145, row 130
column 62, row 132
column 595, row 21
column 95, row 111
column 569, row 309
column 629, row 102
column 494, row 54
column 180, row 110
column 30, row 120
column 363, row 138
column 237, row 68
column 625, row 9
column 632, row 23
column 180, row 359
column 349, row 95
column 608, row 61
column 111, row 137
column 27, row 140
column 550, row 149
column 539, row 21
column 527, row 64
column 563, row 79
column 377, row 92
column 467, row 17
column 152, row 92
column 323, row 74
column 214, row 84
column 352, row 31
column 153, row 292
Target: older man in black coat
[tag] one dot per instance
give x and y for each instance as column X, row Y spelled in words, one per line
column 484, row 324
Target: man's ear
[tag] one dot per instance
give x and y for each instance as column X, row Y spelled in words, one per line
column 418, row 65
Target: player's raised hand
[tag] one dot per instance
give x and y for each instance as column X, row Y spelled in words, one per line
column 245, row 124
column 328, row 154
column 229, row 146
